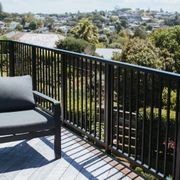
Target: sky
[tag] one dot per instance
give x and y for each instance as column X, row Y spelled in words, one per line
column 62, row 6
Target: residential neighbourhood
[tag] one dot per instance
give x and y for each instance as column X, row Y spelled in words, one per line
column 102, row 19
column 30, row 27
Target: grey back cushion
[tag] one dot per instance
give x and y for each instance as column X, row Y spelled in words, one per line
column 16, row 93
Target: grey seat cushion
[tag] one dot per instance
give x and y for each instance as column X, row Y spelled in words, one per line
column 25, row 121
column 16, row 93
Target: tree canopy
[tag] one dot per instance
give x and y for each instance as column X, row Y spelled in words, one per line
column 143, row 52
column 168, row 40
column 86, row 30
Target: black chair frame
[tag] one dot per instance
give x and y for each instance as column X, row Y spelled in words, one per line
column 56, row 131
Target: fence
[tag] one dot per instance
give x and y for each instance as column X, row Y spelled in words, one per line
column 129, row 110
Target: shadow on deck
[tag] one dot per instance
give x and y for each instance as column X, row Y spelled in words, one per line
column 34, row 159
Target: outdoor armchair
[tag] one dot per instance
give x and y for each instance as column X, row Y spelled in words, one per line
column 23, row 114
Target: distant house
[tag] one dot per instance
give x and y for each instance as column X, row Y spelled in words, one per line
column 131, row 18
column 145, row 19
column 39, row 17
column 64, row 29
column 154, row 25
column 47, row 40
column 112, row 28
column 42, row 30
column 26, row 26
column 107, row 53
column 13, row 25
column 2, row 24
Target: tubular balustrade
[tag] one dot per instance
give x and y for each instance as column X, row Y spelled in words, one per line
column 129, row 110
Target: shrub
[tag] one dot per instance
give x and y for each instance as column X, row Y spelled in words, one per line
column 144, row 174
column 172, row 98
column 156, row 114
column 163, row 125
column 77, row 45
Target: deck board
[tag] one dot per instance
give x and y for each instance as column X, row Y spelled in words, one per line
column 34, row 159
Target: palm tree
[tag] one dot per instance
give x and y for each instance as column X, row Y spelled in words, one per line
column 86, row 30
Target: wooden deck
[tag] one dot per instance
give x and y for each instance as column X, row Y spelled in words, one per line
column 34, row 160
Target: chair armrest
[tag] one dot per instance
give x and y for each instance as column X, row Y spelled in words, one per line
column 55, row 104
column 45, row 97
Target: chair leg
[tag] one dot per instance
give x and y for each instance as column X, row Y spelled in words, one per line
column 57, row 143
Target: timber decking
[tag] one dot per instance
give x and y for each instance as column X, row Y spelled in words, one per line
column 34, row 160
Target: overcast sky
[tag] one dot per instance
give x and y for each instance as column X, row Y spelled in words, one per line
column 61, row 6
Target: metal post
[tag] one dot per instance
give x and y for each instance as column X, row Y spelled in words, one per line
column 177, row 175
column 108, row 106
column 34, row 67
column 177, row 154
column 11, row 59
column 63, row 86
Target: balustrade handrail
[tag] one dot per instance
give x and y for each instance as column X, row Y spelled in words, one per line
column 103, row 60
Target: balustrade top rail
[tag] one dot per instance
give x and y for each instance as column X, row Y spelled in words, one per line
column 103, row 60
column 129, row 110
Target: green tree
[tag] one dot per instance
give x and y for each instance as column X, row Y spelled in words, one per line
column 140, row 32
column 119, row 40
column 33, row 25
column 143, row 52
column 86, row 30
column 19, row 27
column 49, row 22
column 29, row 18
column 168, row 40
column 124, row 23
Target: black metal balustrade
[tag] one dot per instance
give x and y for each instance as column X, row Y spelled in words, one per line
column 129, row 110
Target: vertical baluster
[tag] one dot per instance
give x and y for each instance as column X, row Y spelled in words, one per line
column 100, row 98
column 118, row 109
column 144, row 118
column 176, row 159
column 167, row 128
column 55, row 75
column 70, row 117
column 137, row 117
column 77, row 88
column 73, row 89
column 124, row 111
column 1, row 58
column 109, row 76
column 48, row 75
column 52, row 73
column 159, row 124
column 95, row 93
column 82, row 105
column 46, row 61
column 151, row 122
column 34, row 77
column 130, row 112
column 39, row 68
column 25, row 60
column 58, row 76
column 42, row 69
column 90, row 101
column 86, row 94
